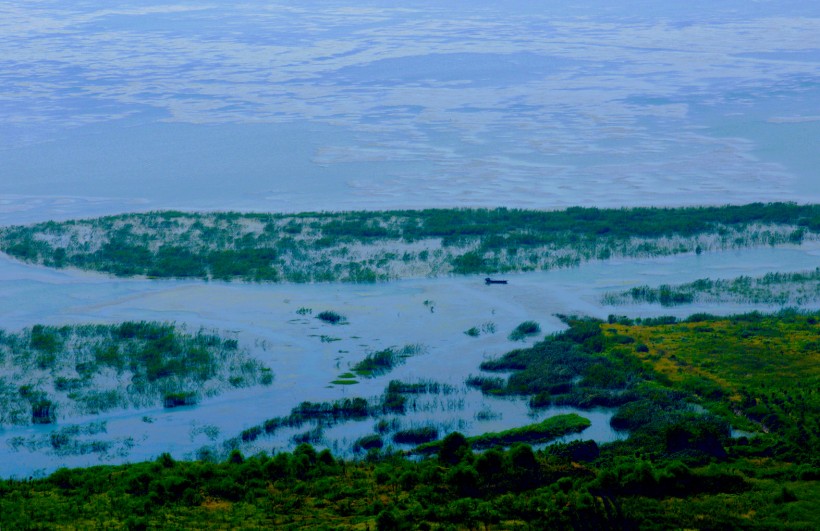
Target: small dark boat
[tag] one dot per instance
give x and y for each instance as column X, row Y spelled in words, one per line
column 489, row 281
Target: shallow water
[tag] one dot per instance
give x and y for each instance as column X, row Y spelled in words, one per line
column 431, row 312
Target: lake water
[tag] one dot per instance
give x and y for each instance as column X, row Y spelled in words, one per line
column 336, row 105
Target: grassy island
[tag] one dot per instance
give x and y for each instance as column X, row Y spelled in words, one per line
column 545, row 431
column 375, row 246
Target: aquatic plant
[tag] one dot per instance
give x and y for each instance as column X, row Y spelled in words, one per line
column 330, row 317
column 77, row 370
column 383, row 361
column 772, row 288
column 368, row 442
column 523, row 330
column 418, row 435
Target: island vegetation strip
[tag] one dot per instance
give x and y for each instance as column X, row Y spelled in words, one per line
column 378, row 246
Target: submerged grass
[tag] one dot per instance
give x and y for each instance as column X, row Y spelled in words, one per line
column 384, row 361
column 48, row 373
column 773, row 288
column 378, row 246
column 524, row 330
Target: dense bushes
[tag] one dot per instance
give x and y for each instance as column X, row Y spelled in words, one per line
column 568, row 486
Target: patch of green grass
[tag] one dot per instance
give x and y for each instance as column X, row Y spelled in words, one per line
column 544, row 431
column 383, row 361
column 524, row 330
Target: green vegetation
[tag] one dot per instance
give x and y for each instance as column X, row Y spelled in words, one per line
column 524, row 330
column 325, row 414
column 319, row 414
column 376, row 246
column 383, row 361
column 760, row 372
column 330, row 317
column 48, row 373
column 417, row 388
column 545, row 431
column 343, row 381
column 347, row 378
column 678, row 386
column 772, row 288
column 424, row 434
column 486, row 328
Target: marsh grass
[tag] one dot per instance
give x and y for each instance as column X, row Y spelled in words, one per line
column 544, row 431
column 368, row 442
column 416, row 436
column 344, row 382
column 379, row 246
column 524, row 330
column 772, row 288
column 50, row 373
column 331, row 317
column 384, row 361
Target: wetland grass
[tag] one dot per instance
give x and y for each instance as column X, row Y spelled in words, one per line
column 380, row 246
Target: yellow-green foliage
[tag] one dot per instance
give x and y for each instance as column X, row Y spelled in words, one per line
column 764, row 368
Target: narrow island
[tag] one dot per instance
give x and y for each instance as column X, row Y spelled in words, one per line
column 388, row 245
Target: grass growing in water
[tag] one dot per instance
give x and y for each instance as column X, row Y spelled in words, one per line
column 419, row 435
column 773, row 288
column 524, row 330
column 48, row 373
column 330, row 317
column 377, row 246
column 383, row 361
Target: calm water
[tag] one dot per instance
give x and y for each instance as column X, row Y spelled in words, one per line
column 342, row 105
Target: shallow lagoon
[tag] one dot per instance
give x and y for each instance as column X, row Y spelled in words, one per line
column 431, row 312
